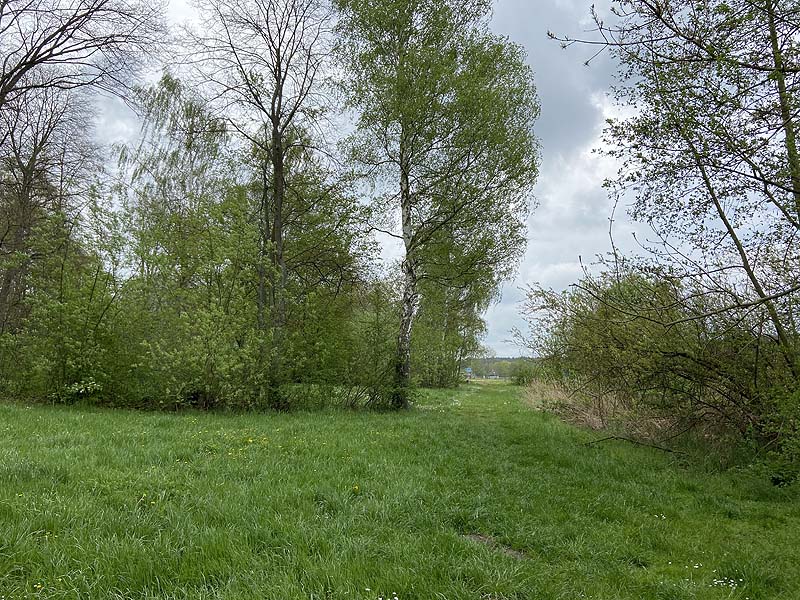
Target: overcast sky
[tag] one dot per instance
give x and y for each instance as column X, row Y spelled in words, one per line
column 572, row 217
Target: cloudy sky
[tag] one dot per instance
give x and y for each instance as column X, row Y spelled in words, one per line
column 572, row 218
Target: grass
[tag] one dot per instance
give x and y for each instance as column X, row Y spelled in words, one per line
column 469, row 495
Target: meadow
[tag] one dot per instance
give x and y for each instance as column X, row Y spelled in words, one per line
column 471, row 494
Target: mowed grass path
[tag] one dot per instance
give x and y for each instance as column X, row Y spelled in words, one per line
column 469, row 495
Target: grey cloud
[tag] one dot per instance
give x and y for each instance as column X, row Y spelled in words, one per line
column 572, row 221
column 564, row 84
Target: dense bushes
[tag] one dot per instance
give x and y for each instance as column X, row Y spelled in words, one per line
column 230, row 260
column 155, row 296
column 639, row 350
column 701, row 327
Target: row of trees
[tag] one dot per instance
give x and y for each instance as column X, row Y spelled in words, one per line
column 519, row 370
column 701, row 327
column 229, row 257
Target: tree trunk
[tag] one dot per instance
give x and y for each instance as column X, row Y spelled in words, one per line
column 785, row 343
column 264, row 235
column 12, row 284
column 400, row 396
column 785, row 101
column 278, row 274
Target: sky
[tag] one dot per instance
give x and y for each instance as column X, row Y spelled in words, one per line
column 571, row 221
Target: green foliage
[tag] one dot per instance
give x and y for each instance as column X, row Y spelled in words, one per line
column 225, row 266
column 701, row 333
column 781, row 430
column 203, row 278
column 632, row 350
column 445, row 131
column 80, row 391
column 60, row 349
column 523, row 372
column 156, row 305
column 465, row 126
column 515, row 369
column 449, row 329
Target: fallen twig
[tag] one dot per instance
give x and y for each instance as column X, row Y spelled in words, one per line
column 624, row 439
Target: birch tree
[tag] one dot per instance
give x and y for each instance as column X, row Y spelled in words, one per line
column 446, row 111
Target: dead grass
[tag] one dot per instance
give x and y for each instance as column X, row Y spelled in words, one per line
column 602, row 412
column 572, row 407
column 610, row 413
column 543, row 395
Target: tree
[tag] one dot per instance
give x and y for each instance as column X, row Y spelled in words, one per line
column 190, row 255
column 73, row 43
column 55, row 286
column 263, row 58
column 459, row 285
column 445, row 112
column 193, row 198
column 46, row 168
column 710, row 156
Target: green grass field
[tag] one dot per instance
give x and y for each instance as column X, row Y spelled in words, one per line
column 469, row 495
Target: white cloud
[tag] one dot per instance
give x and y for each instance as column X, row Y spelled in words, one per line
column 115, row 123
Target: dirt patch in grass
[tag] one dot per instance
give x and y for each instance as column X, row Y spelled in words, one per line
column 495, row 545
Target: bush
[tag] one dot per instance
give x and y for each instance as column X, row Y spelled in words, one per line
column 633, row 351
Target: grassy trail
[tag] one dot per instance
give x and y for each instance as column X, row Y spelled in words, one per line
column 469, row 495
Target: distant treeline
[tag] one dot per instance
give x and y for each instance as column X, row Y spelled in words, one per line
column 518, row 369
